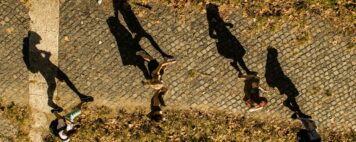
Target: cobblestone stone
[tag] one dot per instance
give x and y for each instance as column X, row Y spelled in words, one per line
column 8, row 129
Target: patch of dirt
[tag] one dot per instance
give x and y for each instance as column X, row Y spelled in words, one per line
column 14, row 122
column 340, row 13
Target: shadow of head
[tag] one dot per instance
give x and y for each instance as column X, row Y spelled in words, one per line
column 212, row 12
column 212, row 8
column 34, row 37
column 29, row 47
column 30, row 42
column 272, row 52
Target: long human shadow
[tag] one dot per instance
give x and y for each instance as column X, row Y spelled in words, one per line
column 227, row 44
column 134, row 25
column 127, row 45
column 275, row 77
column 38, row 61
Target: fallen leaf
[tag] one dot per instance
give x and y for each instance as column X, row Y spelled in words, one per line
column 9, row 30
column 66, row 38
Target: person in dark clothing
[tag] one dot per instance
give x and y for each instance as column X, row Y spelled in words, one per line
column 252, row 92
column 64, row 126
column 309, row 133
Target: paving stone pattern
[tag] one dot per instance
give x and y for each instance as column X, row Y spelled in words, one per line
column 14, row 24
column 322, row 68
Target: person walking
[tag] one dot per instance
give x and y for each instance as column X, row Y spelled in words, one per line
column 156, row 70
column 252, row 92
column 64, row 126
column 157, row 101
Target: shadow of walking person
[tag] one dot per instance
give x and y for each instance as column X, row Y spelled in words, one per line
column 275, row 77
column 38, row 61
column 134, row 25
column 127, row 45
column 227, row 44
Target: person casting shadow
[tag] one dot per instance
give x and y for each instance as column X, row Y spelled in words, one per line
column 157, row 102
column 64, row 126
column 38, row 61
column 275, row 77
column 156, row 70
column 309, row 131
column 127, row 45
column 253, row 93
column 227, row 44
column 134, row 25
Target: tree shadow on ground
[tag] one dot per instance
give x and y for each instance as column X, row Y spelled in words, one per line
column 38, row 61
column 134, row 25
column 227, row 44
column 275, row 77
column 127, row 45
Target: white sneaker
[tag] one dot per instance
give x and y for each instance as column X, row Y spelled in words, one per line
column 100, row 1
column 254, row 109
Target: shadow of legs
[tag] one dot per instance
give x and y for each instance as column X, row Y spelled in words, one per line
column 292, row 104
column 139, row 36
column 50, row 91
column 63, row 77
column 237, row 68
column 243, row 66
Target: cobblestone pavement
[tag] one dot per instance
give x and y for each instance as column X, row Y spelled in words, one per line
column 14, row 24
column 321, row 68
